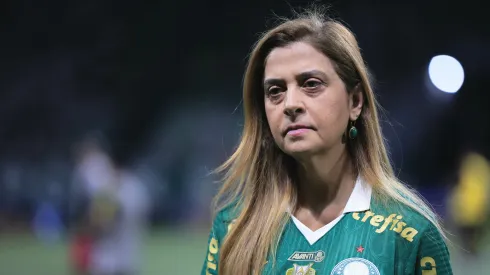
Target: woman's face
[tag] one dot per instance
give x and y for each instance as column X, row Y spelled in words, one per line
column 306, row 102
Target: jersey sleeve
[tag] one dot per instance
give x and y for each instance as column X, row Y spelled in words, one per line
column 432, row 255
column 218, row 232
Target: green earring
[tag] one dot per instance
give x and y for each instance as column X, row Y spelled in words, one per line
column 353, row 130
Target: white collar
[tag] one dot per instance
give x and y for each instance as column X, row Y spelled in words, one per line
column 360, row 199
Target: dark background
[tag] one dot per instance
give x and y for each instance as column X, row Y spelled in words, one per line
column 162, row 80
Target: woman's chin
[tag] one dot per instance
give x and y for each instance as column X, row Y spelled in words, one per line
column 300, row 150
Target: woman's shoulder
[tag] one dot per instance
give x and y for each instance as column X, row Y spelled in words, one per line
column 227, row 213
column 408, row 221
column 223, row 221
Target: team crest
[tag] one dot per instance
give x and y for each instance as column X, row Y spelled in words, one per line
column 301, row 270
column 316, row 256
column 355, row 266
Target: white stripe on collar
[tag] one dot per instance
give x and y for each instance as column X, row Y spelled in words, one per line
column 360, row 199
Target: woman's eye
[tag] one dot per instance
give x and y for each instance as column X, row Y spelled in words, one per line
column 274, row 90
column 312, row 84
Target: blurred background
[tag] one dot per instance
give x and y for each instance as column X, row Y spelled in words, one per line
column 131, row 104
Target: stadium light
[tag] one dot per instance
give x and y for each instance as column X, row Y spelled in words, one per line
column 446, row 73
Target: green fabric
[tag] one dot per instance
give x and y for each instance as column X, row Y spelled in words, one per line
column 377, row 241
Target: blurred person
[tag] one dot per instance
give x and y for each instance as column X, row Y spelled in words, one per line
column 94, row 172
column 469, row 206
column 114, row 207
column 310, row 188
column 118, row 218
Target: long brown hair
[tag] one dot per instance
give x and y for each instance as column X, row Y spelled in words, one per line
column 259, row 179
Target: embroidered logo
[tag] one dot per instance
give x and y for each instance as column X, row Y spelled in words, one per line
column 316, row 256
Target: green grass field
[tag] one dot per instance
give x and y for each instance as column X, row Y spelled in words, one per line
column 169, row 251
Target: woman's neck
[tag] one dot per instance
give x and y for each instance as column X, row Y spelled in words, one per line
column 326, row 182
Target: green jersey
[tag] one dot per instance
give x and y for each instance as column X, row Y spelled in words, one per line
column 367, row 239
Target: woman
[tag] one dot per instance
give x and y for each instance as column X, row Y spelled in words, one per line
column 310, row 189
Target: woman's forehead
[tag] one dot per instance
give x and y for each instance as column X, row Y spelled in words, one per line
column 296, row 59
